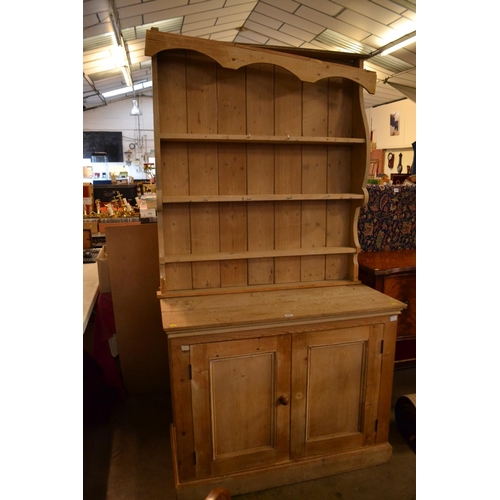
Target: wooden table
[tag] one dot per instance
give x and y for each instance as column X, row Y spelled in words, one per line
column 394, row 273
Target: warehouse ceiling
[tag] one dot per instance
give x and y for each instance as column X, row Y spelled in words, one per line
column 114, row 37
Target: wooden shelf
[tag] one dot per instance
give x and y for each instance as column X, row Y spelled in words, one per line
column 261, row 254
column 260, row 170
column 231, row 290
column 261, row 197
column 270, row 139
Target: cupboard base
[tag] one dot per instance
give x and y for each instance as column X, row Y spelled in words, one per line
column 279, row 475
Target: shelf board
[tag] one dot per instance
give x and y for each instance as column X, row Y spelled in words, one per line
column 270, row 139
column 231, row 290
column 261, row 254
column 260, row 197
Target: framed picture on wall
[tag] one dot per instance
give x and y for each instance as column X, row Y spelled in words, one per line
column 374, row 164
column 394, row 123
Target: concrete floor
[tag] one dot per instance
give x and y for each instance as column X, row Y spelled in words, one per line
column 127, row 457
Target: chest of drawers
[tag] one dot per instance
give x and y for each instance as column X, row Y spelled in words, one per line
column 394, row 273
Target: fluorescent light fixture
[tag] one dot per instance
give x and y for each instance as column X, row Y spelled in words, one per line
column 113, row 93
column 398, row 45
column 126, row 75
column 125, row 90
column 119, row 56
column 121, row 62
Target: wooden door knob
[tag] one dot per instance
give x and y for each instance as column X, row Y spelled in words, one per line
column 283, row 400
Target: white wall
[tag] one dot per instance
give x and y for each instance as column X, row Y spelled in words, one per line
column 115, row 117
column 379, row 123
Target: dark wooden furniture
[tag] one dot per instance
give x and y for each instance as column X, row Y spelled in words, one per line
column 87, row 239
column 399, row 178
column 394, row 273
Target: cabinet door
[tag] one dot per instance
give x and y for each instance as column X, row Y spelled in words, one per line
column 335, row 388
column 240, row 393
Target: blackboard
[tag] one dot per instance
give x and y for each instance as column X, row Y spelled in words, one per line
column 107, row 142
column 107, row 192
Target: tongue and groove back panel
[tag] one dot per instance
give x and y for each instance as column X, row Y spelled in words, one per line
column 260, row 175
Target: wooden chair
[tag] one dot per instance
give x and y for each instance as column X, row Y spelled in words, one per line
column 219, row 494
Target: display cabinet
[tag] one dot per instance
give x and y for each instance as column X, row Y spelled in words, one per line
column 280, row 360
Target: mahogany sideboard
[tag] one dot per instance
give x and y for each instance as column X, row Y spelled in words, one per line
column 394, row 273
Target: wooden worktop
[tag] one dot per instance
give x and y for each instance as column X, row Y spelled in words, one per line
column 274, row 307
column 386, row 262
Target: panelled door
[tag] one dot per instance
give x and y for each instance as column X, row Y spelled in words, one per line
column 335, row 388
column 240, row 400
